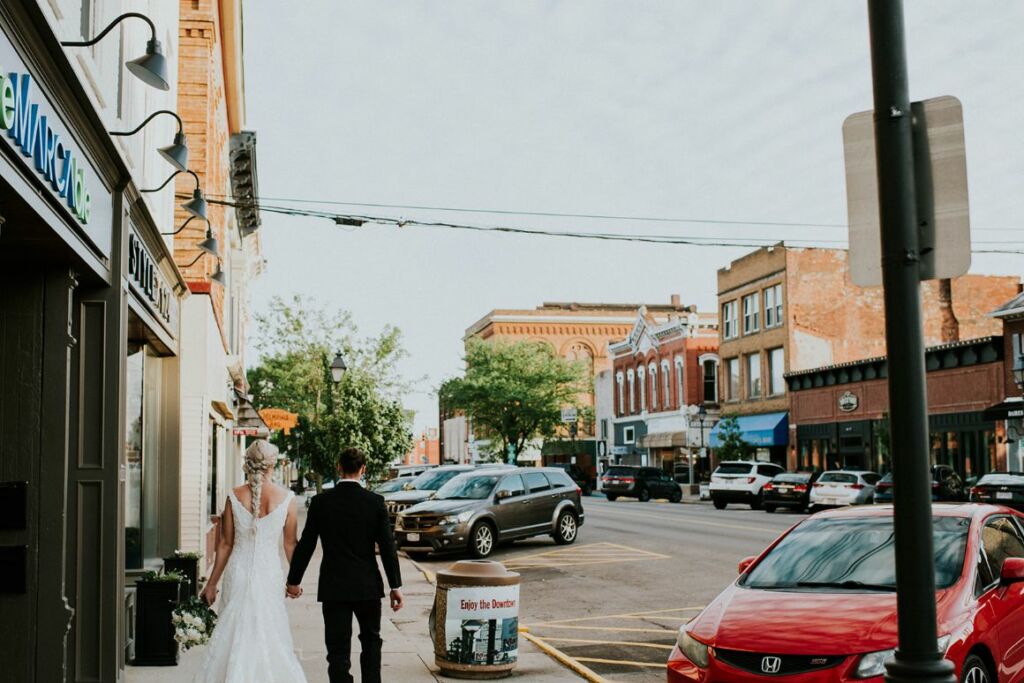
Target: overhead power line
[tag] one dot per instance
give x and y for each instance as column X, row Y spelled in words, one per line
column 356, row 220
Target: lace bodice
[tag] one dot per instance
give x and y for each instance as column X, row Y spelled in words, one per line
column 252, row 642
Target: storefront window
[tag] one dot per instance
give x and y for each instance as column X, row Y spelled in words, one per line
column 133, row 457
column 152, row 371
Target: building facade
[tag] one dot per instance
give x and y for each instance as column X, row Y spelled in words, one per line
column 787, row 310
column 90, row 313
column 661, row 373
column 426, row 450
column 839, row 413
column 1011, row 410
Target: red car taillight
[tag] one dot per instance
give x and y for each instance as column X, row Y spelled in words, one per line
column 975, row 491
column 801, row 487
column 627, row 480
column 856, row 486
column 769, row 487
column 579, row 491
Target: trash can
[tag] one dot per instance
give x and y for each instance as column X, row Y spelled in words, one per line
column 475, row 620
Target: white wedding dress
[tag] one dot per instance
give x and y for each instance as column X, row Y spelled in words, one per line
column 252, row 641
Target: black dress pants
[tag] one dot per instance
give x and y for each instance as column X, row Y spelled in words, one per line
column 338, row 638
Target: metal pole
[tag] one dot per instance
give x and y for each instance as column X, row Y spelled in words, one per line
column 917, row 657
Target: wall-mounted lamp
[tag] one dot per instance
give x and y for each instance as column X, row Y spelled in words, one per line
column 175, row 153
column 209, row 245
column 195, row 206
column 218, row 275
column 183, row 226
column 150, row 68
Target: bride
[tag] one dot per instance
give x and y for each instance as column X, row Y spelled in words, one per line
column 252, row 642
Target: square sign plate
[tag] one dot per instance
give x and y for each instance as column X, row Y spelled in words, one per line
column 940, row 172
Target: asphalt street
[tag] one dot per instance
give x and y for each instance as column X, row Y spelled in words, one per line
column 614, row 599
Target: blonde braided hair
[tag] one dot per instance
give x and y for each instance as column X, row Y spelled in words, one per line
column 260, row 458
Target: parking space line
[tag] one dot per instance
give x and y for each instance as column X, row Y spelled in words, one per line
column 572, row 627
column 631, row 643
column 594, row 553
column 621, row 662
column 628, row 614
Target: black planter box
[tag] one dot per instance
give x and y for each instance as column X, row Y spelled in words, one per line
column 154, row 631
column 189, row 569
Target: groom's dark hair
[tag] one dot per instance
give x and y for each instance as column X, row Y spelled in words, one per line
column 351, row 461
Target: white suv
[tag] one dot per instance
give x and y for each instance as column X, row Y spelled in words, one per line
column 741, row 481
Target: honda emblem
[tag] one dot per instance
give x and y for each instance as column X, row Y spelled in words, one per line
column 771, row 665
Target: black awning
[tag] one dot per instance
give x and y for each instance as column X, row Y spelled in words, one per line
column 1007, row 410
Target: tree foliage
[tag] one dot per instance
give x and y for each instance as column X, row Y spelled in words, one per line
column 297, row 340
column 514, row 391
column 731, row 445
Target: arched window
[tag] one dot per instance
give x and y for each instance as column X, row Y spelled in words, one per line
column 632, row 392
column 709, row 368
column 581, row 353
column 666, row 387
column 621, row 393
column 680, row 387
column 652, row 371
column 642, row 374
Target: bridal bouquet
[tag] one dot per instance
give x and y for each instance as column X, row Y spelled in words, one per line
column 194, row 621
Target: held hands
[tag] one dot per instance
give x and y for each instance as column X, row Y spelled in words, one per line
column 396, row 600
column 293, row 592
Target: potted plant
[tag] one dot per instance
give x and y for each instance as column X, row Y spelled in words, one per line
column 186, row 564
column 156, row 596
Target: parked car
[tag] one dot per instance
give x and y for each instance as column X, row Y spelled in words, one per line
column 642, row 483
column 400, row 471
column 741, row 481
column 1004, row 488
column 844, row 487
column 391, row 485
column 477, row 510
column 946, row 485
column 820, row 603
column 418, row 489
column 789, row 490
column 577, row 474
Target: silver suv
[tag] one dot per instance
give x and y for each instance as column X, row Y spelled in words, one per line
column 476, row 510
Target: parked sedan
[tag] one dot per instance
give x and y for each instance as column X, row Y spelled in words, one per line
column 1004, row 488
column 789, row 490
column 946, row 485
column 819, row 605
column 844, row 487
column 642, row 483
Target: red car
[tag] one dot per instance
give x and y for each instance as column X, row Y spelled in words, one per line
column 819, row 605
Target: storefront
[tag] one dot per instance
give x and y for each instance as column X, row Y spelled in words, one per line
column 839, row 414
column 71, row 327
column 767, row 432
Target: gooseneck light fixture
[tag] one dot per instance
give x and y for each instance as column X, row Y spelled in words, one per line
column 217, row 276
column 208, row 245
column 175, row 153
column 195, row 206
column 150, row 68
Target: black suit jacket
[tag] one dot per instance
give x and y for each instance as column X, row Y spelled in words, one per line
column 349, row 521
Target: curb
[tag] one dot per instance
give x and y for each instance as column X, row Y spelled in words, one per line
column 565, row 660
column 427, row 574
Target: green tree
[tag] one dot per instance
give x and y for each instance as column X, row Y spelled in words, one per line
column 296, row 341
column 514, row 391
column 730, row 439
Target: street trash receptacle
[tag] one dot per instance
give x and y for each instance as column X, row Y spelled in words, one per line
column 475, row 620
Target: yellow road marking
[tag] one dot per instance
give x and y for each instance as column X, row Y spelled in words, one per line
column 572, row 663
column 609, row 642
column 625, row 662
column 628, row 614
column 571, row 627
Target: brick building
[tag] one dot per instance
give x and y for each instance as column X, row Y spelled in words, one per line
column 426, row 450
column 1011, row 410
column 839, row 413
column 660, row 370
column 787, row 310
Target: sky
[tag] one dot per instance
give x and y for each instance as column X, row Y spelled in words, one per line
column 724, row 111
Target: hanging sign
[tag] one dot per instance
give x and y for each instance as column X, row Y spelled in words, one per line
column 31, row 126
column 849, row 402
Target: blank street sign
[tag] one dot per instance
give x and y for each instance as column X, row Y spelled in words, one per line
column 940, row 171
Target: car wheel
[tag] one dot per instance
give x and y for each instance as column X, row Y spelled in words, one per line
column 676, row 496
column 755, row 502
column 643, row 495
column 719, row 503
column 975, row 670
column 769, row 508
column 481, row 540
column 612, row 497
column 566, row 528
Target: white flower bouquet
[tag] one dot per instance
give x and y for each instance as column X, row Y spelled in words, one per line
column 194, row 622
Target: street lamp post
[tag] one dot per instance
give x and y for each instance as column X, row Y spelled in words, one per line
column 918, row 657
column 338, row 368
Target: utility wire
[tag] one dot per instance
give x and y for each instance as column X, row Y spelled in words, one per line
column 357, row 220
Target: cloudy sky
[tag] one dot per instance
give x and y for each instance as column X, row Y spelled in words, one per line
column 724, row 111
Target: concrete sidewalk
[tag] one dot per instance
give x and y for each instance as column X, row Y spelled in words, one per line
column 408, row 650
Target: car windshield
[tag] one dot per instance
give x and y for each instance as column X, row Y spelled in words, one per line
column 734, row 468
column 474, row 487
column 432, row 480
column 793, row 478
column 620, row 472
column 390, row 486
column 853, row 554
column 838, row 478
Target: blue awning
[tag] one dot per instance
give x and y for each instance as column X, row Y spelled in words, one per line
column 770, row 429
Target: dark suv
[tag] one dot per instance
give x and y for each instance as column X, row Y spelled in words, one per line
column 421, row 487
column 642, row 483
column 789, row 490
column 477, row 510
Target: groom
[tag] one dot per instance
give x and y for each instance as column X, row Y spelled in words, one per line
column 349, row 521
